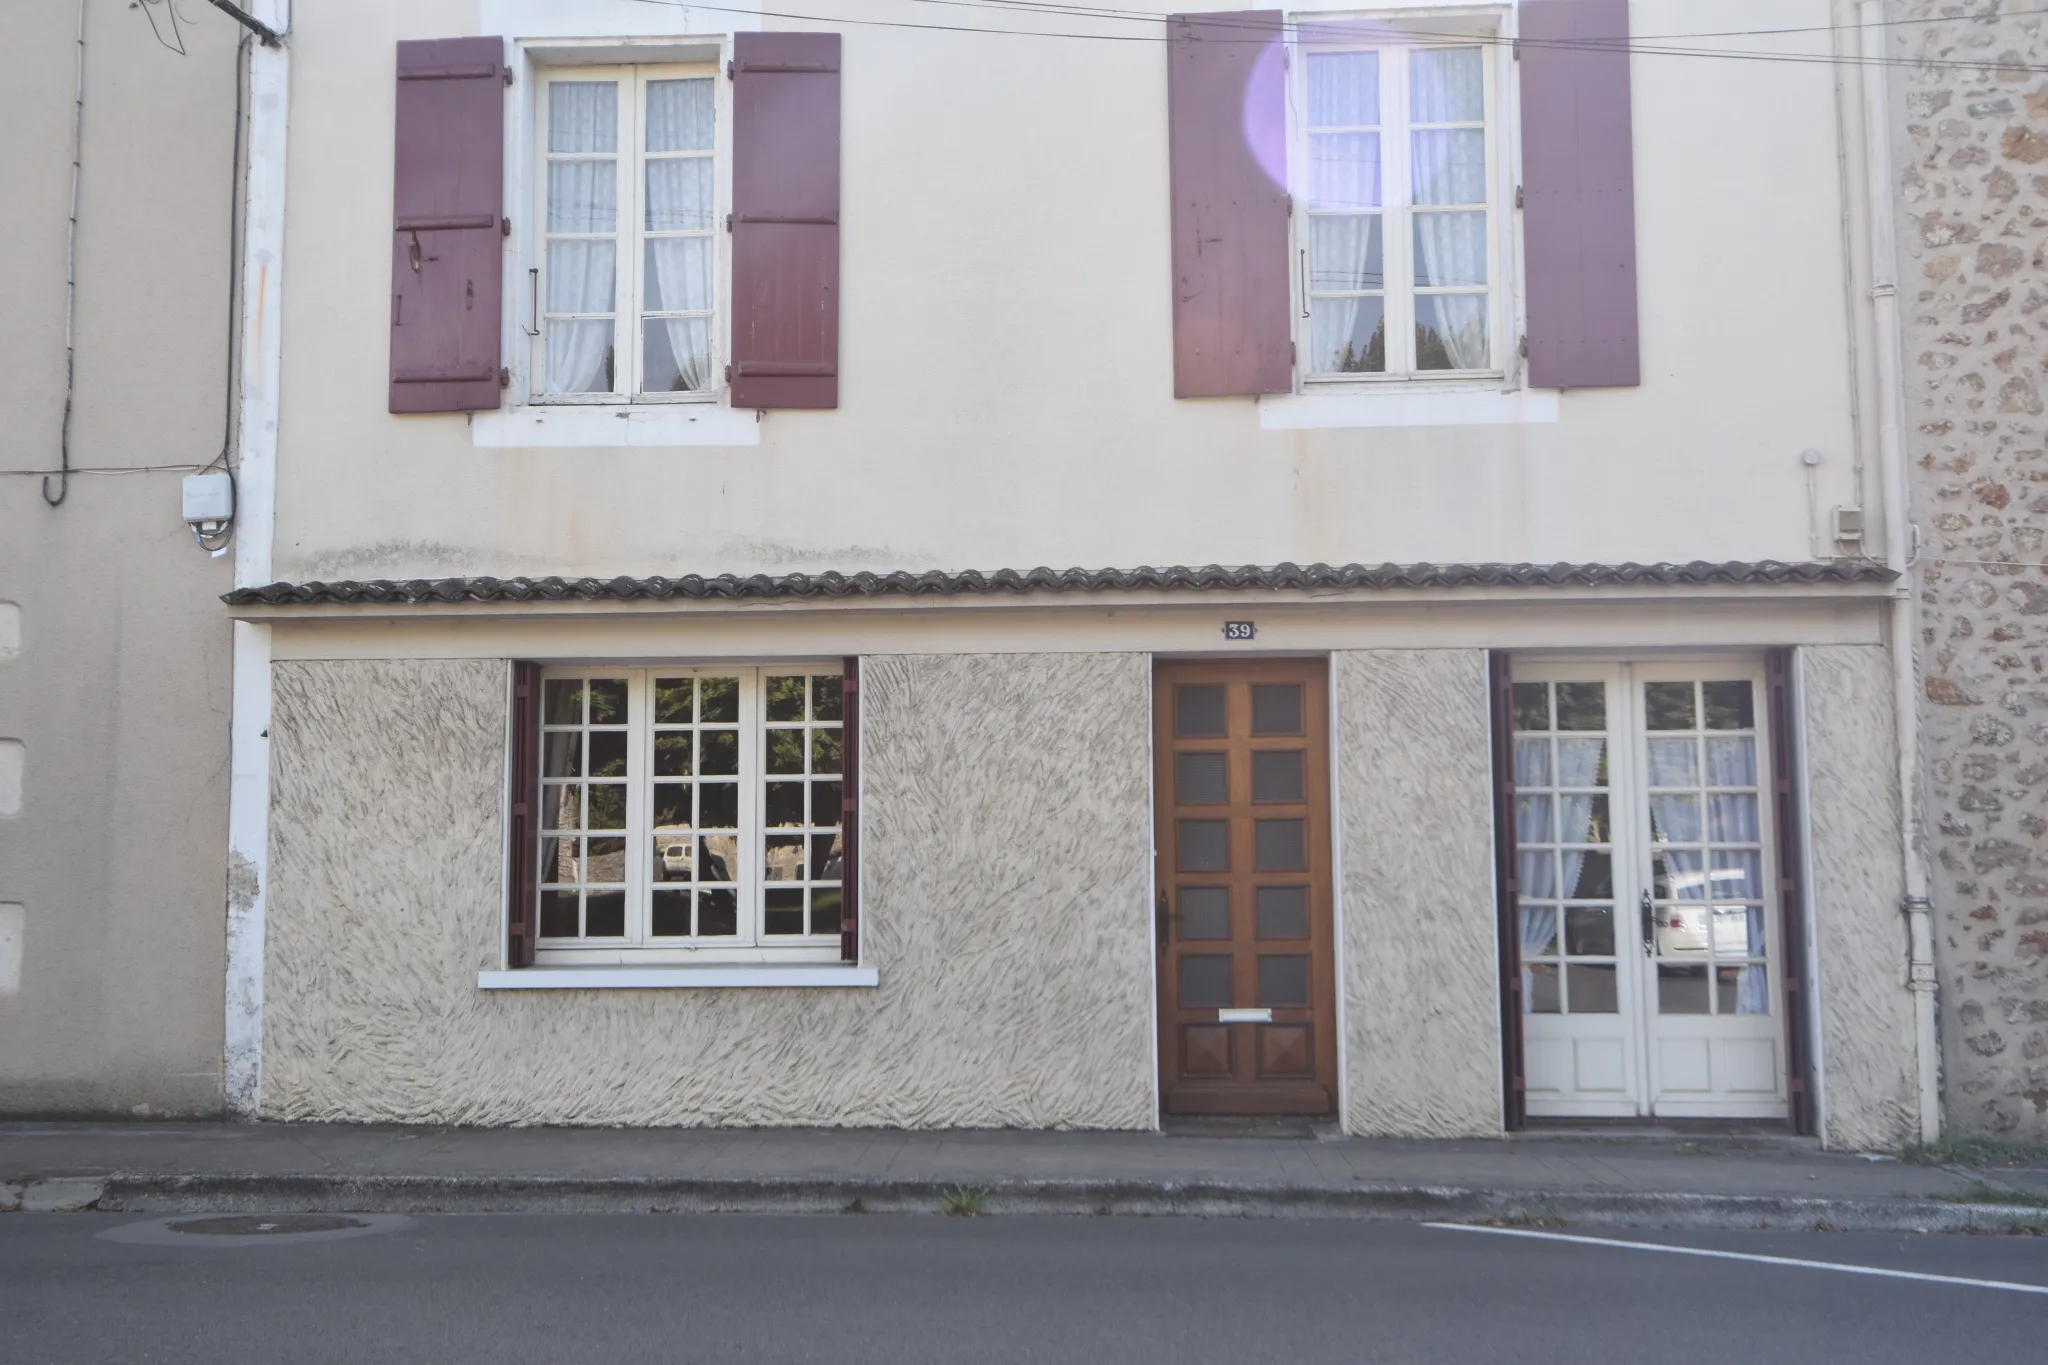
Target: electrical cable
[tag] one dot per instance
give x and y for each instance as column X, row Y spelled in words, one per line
column 63, row 470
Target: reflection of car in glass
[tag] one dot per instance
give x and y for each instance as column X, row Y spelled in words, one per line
column 1687, row 929
column 675, row 861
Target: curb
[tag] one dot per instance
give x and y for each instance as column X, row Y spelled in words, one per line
column 228, row 1193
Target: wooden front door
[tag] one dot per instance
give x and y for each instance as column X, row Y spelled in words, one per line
column 1247, row 1002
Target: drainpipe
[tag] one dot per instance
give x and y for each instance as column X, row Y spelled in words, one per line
column 1899, row 534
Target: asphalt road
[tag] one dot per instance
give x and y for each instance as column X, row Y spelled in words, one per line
column 850, row 1290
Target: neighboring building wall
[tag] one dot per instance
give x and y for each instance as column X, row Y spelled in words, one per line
column 114, row 657
column 1973, row 168
column 1007, row 832
column 1865, row 1013
column 1421, row 956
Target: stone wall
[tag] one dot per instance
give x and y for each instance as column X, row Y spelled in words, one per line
column 1973, row 170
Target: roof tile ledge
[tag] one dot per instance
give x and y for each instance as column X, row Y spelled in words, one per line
column 939, row 583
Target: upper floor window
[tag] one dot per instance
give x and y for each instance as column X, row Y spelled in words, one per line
column 1398, row 239
column 628, row 279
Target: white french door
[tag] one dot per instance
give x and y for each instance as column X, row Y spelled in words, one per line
column 1649, row 939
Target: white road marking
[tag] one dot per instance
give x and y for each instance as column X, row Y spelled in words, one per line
column 1746, row 1256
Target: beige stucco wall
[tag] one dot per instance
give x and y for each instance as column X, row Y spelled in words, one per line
column 1420, row 950
column 1006, row 325
column 1006, row 842
column 116, row 686
column 1865, row 1013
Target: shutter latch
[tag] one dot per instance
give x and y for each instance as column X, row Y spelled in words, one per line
column 1525, row 348
column 1518, row 196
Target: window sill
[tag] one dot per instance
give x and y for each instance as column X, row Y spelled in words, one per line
column 1407, row 407
column 738, row 975
column 615, row 426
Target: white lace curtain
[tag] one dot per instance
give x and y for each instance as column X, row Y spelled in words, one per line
column 679, row 199
column 1448, row 85
column 583, row 197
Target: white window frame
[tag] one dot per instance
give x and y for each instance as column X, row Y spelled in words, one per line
column 1489, row 29
column 638, row 947
column 628, row 311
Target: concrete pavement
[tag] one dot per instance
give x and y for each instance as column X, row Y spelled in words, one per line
column 1696, row 1182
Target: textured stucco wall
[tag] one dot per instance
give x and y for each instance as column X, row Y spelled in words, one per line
column 1865, row 1011
column 1421, row 996
column 1973, row 169
column 1007, row 840
column 118, row 688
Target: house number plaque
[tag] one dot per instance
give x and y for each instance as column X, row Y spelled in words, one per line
column 1239, row 630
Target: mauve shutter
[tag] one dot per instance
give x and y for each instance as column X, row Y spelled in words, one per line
column 849, row 814
column 1226, row 95
column 1507, row 892
column 1790, row 889
column 1578, row 189
column 785, row 220
column 448, row 198
column 521, row 890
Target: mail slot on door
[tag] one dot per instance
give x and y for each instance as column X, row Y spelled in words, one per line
column 1244, row 1016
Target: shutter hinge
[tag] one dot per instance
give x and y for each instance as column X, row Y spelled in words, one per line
column 1516, row 48
column 728, row 224
column 1293, row 353
column 504, row 377
column 1518, row 196
column 732, row 72
column 508, row 75
column 1525, row 348
column 728, row 374
column 504, row 227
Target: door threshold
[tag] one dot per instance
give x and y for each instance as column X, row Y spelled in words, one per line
column 1721, row 1132
column 1284, row 1127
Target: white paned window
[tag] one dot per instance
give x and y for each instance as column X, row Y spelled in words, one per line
column 1397, row 230
column 690, row 814
column 626, row 291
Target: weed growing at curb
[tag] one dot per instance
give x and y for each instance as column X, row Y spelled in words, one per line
column 962, row 1202
column 1991, row 1194
column 854, row 1205
column 1975, row 1151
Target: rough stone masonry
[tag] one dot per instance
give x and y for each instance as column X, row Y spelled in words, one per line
column 1973, row 284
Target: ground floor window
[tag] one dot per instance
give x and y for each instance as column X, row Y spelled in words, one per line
column 690, row 814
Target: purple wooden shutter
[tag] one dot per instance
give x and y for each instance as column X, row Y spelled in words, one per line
column 785, row 220
column 1578, row 187
column 1790, row 889
column 521, row 889
column 1507, row 893
column 849, row 814
column 1227, row 126
column 448, row 201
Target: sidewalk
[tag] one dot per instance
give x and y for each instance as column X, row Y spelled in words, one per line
column 1696, row 1182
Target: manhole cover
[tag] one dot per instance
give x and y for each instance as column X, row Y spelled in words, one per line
column 251, row 1225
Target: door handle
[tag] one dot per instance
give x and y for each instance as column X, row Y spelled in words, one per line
column 1649, row 927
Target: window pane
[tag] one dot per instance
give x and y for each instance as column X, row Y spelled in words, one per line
column 1674, row 819
column 1544, row 995
column 583, row 116
column 583, row 196
column 561, row 754
column 1532, row 762
column 785, row 751
column 606, row 861
column 604, row 914
column 1590, row 988
column 718, row 700
column 718, row 752
column 1681, row 988
column 1582, row 820
column 718, row 914
column 580, row 357
column 1532, row 819
column 785, row 698
column 1450, row 332
column 558, row 914
column 672, row 861
column 718, row 858
column 785, row 805
column 1589, row 931
column 1447, row 85
column 1343, row 89
column 1582, row 706
column 1276, row 708
column 1732, row 820
column 679, row 115
column 672, row 701
column 1539, row 930
column 825, row 696
column 1198, row 711
column 671, row 914
column 1536, row 873
column 1736, row 873
column 783, row 859
column 1532, row 706
column 1729, row 706
column 608, row 753
column 1450, row 166
column 825, row 751
column 672, row 805
column 678, row 274
column 825, row 910
column 677, row 355
column 718, row 805
column 1731, row 762
column 1668, row 705
column 1581, row 762
column 561, row 807
column 608, row 806
column 824, row 857
column 562, row 701
column 825, row 804
column 1201, row 779
column 679, row 191
column 1344, row 171
column 1450, row 251
column 672, row 754
column 783, row 912
column 1348, row 336
column 1345, row 253
column 1588, row 876
column 1673, row 763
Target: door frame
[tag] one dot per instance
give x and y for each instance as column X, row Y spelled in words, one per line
column 1783, row 813
column 1323, row 860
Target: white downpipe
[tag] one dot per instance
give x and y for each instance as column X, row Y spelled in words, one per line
column 255, row 517
column 1905, row 613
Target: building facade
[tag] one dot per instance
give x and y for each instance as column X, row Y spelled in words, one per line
column 1972, row 137
column 115, row 658
column 650, row 707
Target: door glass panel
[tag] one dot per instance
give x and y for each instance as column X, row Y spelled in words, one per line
column 1731, row 762
column 1742, row 990
column 1532, row 706
column 1532, row 819
column 1581, row 706
column 1276, row 708
column 1204, row 846
column 1668, row 706
column 1673, row 763
column 1591, row 988
column 1589, row 930
column 1674, row 819
column 1283, row 981
column 1541, row 991
column 1204, row 982
column 1205, row 912
column 1536, row 873
column 1681, row 988
column 1280, row 845
column 1582, row 763
column 1588, row 875
column 1201, row 779
column 1732, row 819
column 1539, row 930
column 1736, row 872
column 1729, row 705
column 1283, row 912
column 1277, row 776
column 1532, row 760
column 1198, row 710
